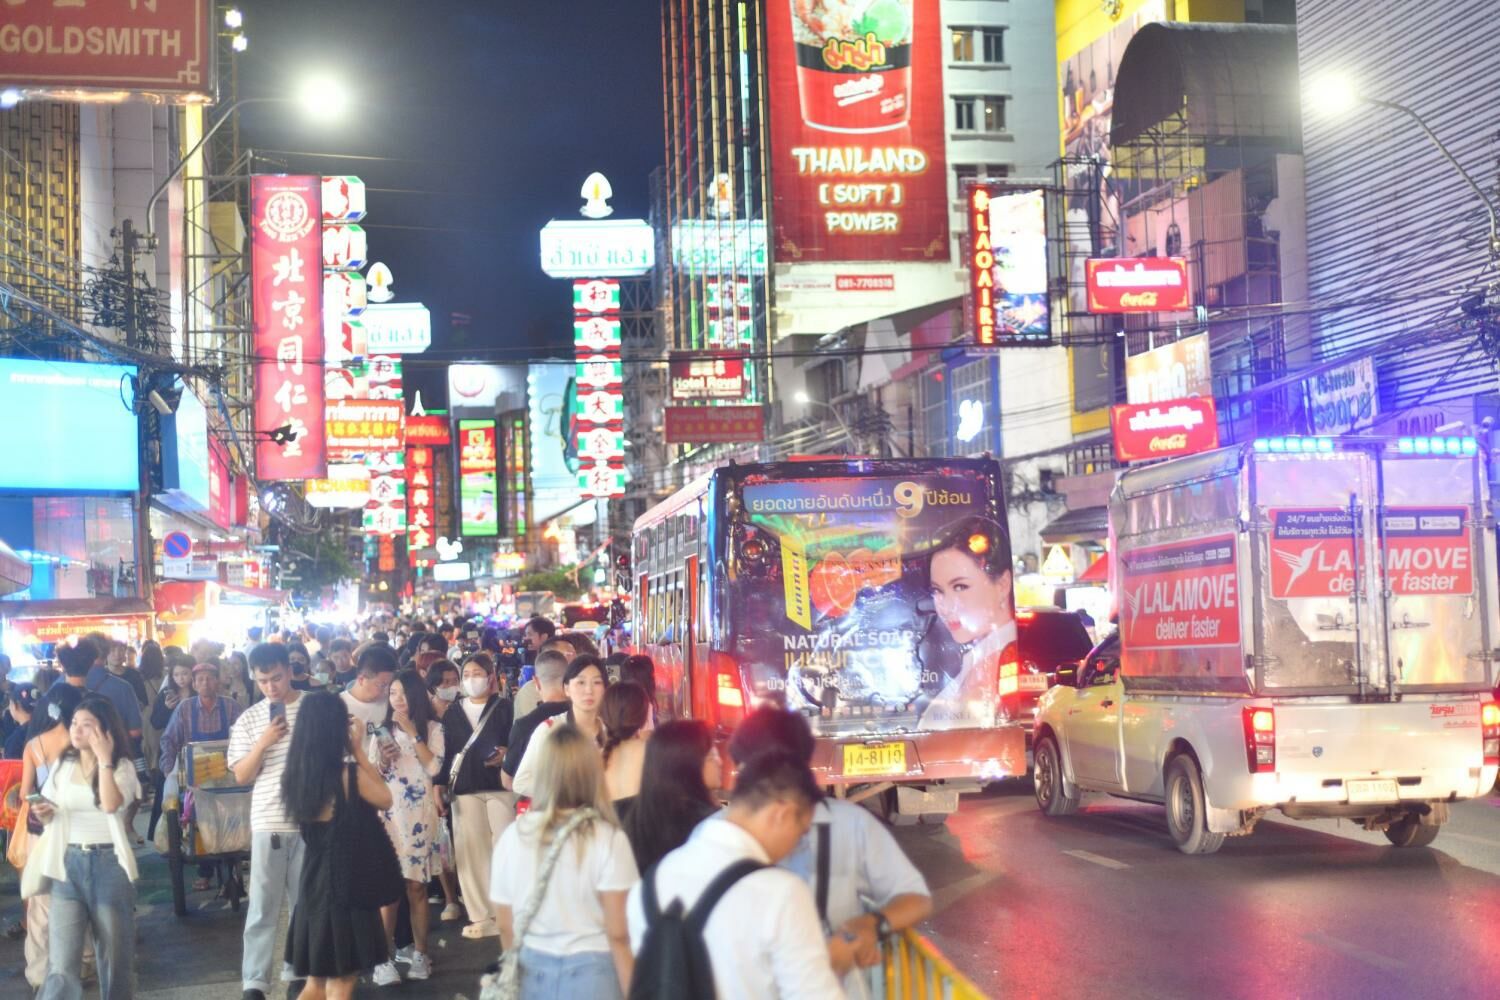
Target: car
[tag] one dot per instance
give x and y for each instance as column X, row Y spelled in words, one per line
column 1048, row 639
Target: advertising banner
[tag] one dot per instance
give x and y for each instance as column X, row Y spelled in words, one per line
column 356, row 426
column 1170, row 372
column 161, row 48
column 1137, row 284
column 427, row 428
column 398, row 328
column 477, row 472
column 885, row 601
column 714, row 424
column 67, row 408
column 347, row 487
column 1427, row 552
column 286, row 252
column 385, row 513
column 1007, row 250
column 1164, row 430
column 421, row 501
column 615, row 248
column 708, row 375
column 857, row 127
column 720, row 245
column 1342, row 400
column 1180, row 615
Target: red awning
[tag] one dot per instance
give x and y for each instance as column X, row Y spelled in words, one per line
column 1098, row 571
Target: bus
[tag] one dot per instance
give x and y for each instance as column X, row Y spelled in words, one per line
column 872, row 596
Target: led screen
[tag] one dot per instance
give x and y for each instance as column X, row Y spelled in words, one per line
column 68, row 426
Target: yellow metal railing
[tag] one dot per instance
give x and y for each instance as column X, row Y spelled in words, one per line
column 912, row 968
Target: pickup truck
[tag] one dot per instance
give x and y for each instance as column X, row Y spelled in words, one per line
column 1306, row 625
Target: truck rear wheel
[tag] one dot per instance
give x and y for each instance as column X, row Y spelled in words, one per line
column 1187, row 808
column 1409, row 831
column 1047, row 780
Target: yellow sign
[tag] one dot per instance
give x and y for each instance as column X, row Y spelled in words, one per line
column 1057, row 567
column 795, row 577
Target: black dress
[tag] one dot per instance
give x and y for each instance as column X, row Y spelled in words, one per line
column 328, row 938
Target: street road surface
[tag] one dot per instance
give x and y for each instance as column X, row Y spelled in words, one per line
column 1101, row 904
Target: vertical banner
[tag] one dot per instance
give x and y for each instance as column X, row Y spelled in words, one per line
column 286, row 254
column 477, row 470
column 598, row 418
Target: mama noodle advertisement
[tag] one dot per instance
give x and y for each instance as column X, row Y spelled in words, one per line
column 882, row 599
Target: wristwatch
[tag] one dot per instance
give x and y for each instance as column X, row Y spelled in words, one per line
column 882, row 925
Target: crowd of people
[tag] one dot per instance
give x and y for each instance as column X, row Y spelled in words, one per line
column 409, row 773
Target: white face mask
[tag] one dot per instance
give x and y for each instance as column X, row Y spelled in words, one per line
column 447, row 693
column 320, row 678
column 474, row 687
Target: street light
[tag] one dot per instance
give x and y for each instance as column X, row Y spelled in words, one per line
column 1338, row 95
column 322, row 98
column 804, row 399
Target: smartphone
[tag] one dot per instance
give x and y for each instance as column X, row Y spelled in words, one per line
column 278, row 711
column 37, row 799
column 383, row 735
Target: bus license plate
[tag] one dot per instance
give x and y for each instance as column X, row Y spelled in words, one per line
column 1378, row 790
column 880, row 758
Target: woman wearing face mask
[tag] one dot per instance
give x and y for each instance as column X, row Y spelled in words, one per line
column 969, row 577
column 477, row 728
column 584, row 683
column 444, row 685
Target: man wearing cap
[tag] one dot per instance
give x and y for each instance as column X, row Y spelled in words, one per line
column 206, row 717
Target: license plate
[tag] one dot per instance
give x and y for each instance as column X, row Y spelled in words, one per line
column 879, row 758
column 1377, row 790
column 1033, row 682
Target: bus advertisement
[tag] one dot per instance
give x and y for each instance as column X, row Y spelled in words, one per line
column 874, row 597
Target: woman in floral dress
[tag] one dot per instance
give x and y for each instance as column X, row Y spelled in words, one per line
column 409, row 753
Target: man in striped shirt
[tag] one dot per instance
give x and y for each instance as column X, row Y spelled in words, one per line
column 258, row 746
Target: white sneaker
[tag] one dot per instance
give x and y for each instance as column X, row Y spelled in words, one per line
column 403, row 955
column 452, row 912
column 421, row 966
column 386, row 974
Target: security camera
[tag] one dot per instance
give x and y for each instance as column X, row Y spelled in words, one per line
column 158, row 404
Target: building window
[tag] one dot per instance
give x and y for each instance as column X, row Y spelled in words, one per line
column 963, row 114
column 995, row 171
column 981, row 114
column 993, row 44
column 963, row 173
column 963, row 44
column 934, row 403
column 974, row 410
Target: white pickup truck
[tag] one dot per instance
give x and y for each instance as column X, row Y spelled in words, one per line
column 1308, row 625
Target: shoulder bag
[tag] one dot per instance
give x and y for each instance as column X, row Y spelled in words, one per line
column 506, row 984
column 374, row 877
column 458, row 758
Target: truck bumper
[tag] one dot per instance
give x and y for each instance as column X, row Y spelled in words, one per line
column 954, row 755
column 1309, row 795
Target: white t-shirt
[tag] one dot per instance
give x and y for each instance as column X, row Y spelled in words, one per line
column 369, row 713
column 473, row 710
column 571, row 918
column 267, row 810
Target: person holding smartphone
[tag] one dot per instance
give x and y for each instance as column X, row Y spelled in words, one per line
column 477, row 730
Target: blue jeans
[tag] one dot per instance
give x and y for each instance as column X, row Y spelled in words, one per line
column 97, row 892
column 588, row 974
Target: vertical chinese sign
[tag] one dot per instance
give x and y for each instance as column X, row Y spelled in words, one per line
column 477, row 470
column 287, row 299
column 600, row 414
column 424, row 434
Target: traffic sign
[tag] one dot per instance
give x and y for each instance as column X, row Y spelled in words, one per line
column 177, row 545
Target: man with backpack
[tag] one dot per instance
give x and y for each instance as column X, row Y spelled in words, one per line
column 715, row 918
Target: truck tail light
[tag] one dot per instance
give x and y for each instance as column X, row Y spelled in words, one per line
column 1010, row 671
column 1489, row 724
column 1260, row 739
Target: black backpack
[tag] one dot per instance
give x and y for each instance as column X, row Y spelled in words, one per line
column 673, row 963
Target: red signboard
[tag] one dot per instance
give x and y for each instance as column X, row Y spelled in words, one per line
column 158, row 47
column 857, row 127
column 428, row 429
column 708, row 375
column 1137, row 284
column 286, row 253
column 714, row 424
column 1427, row 552
column 1164, row 430
column 218, row 484
column 421, row 505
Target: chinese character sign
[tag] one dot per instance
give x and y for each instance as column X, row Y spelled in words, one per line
column 421, row 500
column 477, row 471
column 598, row 417
column 287, row 278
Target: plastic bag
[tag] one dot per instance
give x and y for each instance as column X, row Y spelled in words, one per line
column 221, row 821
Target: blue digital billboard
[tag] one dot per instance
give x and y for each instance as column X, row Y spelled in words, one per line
column 67, row 426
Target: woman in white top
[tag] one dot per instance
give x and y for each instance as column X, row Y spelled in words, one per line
column 86, row 857
column 584, row 682
column 567, row 919
column 409, row 754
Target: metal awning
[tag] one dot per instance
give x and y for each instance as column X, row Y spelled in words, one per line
column 15, row 572
column 1086, row 524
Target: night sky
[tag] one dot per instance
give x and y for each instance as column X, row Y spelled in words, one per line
column 486, row 116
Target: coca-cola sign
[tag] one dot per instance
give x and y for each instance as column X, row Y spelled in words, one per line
column 1137, row 284
column 1164, row 430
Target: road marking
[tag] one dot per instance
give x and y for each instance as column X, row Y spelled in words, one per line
column 1354, row 951
column 950, row 894
column 1097, row 859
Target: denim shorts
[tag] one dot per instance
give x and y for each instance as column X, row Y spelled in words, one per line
column 585, row 974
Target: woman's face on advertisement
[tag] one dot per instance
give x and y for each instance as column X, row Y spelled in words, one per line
column 969, row 602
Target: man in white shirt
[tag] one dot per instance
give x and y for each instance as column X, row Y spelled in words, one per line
column 258, row 745
column 762, row 938
column 368, row 698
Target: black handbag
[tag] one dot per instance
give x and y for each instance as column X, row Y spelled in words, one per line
column 372, row 873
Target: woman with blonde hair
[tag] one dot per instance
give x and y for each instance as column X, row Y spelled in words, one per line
column 559, row 880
